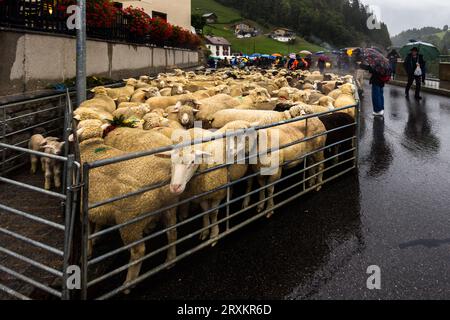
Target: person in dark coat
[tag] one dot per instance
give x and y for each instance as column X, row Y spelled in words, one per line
column 393, row 57
column 412, row 61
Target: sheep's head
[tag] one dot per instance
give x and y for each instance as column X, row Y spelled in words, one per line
column 52, row 146
column 100, row 91
column 131, row 82
column 151, row 92
column 259, row 95
column 222, row 89
column 144, row 79
column 186, row 114
column 298, row 111
column 186, row 161
column 177, row 89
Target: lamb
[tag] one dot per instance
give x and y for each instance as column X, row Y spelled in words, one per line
column 184, row 168
column 346, row 99
column 51, row 167
column 36, row 143
column 125, row 177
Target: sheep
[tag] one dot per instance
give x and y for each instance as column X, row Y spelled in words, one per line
column 258, row 99
column 327, row 86
column 221, row 118
column 338, row 120
column 137, row 112
column 153, row 120
column 126, row 91
column 141, row 95
column 326, row 102
column 288, row 157
column 314, row 96
column 125, row 177
column 100, row 101
column 36, row 143
column 335, row 94
column 52, row 167
column 184, row 168
column 346, row 99
column 210, row 106
column 123, row 98
column 165, row 102
column 185, row 113
column 81, row 114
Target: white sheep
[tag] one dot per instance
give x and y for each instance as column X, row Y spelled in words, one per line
column 125, row 177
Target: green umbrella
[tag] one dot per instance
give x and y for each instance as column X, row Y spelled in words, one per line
column 429, row 51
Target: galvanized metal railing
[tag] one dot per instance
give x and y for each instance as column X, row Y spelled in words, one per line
column 102, row 275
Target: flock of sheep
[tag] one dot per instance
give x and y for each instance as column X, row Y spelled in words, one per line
column 151, row 110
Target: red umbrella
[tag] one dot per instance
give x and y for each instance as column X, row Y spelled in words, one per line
column 377, row 61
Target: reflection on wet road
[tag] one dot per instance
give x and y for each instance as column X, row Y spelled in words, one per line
column 394, row 213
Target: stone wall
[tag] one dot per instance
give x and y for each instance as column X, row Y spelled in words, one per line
column 32, row 61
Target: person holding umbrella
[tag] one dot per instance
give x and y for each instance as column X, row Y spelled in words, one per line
column 379, row 67
column 415, row 69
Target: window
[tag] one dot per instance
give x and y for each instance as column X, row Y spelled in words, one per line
column 156, row 14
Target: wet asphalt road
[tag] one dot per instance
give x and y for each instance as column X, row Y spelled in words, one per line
column 393, row 212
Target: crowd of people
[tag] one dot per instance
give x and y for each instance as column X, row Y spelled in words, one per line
column 350, row 61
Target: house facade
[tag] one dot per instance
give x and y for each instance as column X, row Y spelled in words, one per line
column 283, row 34
column 219, row 47
column 175, row 12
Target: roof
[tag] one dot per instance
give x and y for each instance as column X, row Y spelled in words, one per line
column 209, row 14
column 285, row 29
column 217, row 41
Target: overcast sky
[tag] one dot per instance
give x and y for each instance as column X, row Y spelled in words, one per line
column 401, row 15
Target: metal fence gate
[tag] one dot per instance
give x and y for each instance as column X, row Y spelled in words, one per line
column 35, row 239
column 104, row 272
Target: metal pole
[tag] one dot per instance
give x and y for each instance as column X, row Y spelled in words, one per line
column 81, row 52
column 67, row 232
column 84, row 232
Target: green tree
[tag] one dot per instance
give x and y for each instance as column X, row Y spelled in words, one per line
column 198, row 22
